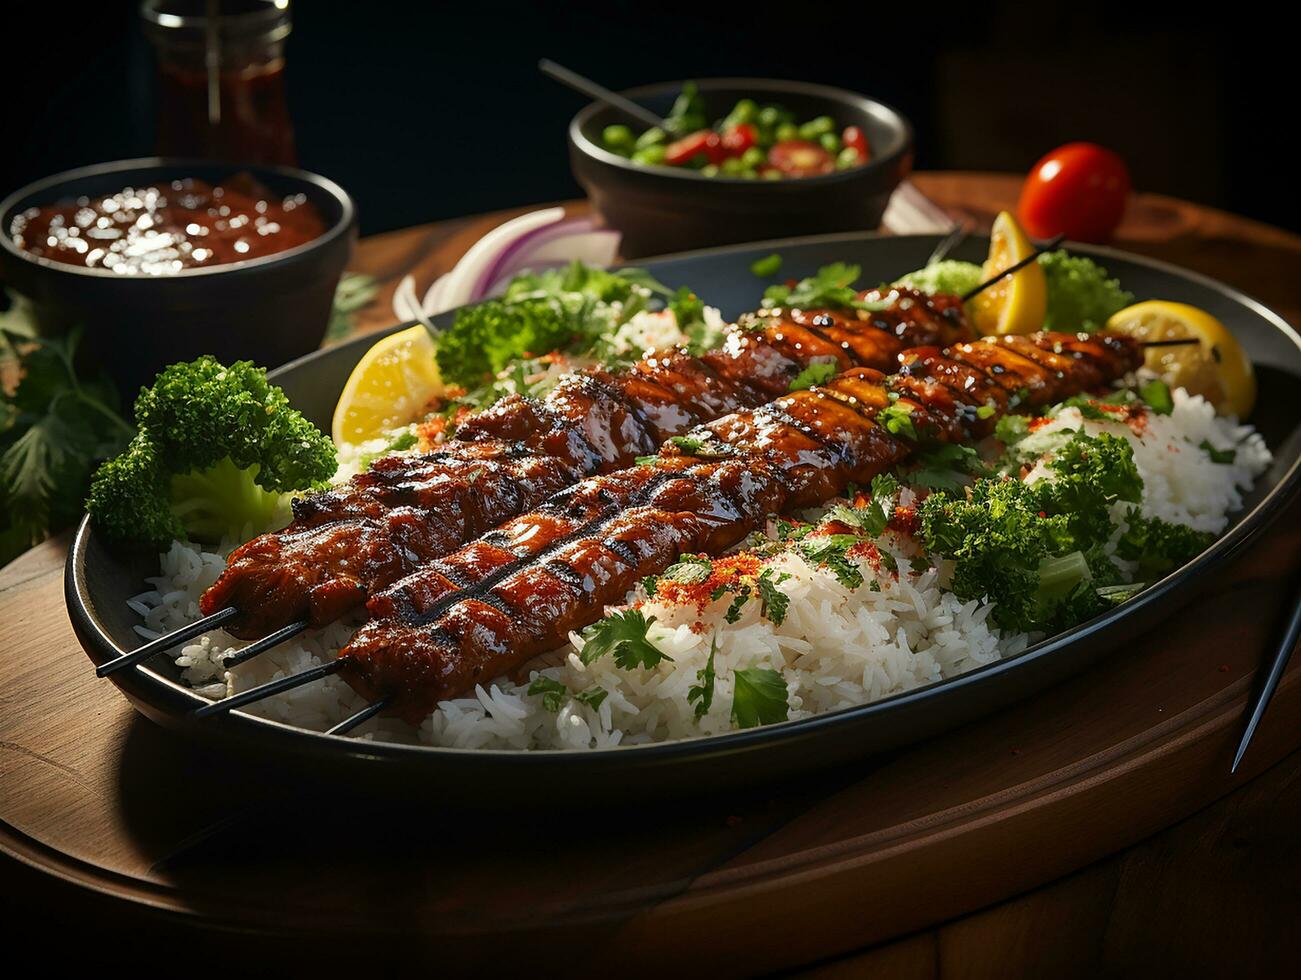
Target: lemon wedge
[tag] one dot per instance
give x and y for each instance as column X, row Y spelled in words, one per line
column 1016, row 304
column 391, row 383
column 1217, row 368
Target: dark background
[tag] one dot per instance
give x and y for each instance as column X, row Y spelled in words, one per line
column 425, row 111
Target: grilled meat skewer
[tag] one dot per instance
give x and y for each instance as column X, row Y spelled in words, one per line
column 521, row 589
column 349, row 542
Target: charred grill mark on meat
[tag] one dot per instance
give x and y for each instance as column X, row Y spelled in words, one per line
column 349, row 542
column 428, row 643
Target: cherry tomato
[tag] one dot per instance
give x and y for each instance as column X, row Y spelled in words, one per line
column 739, row 138
column 685, row 150
column 800, row 158
column 1078, row 190
column 855, row 139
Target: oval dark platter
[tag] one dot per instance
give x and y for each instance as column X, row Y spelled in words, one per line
column 98, row 582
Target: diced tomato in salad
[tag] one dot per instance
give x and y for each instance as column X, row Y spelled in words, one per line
column 800, row 158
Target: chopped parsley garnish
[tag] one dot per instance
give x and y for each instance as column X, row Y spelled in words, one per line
column 1222, row 456
column 734, row 610
column 831, row 286
column 775, row 601
column 1157, row 395
column 1011, row 429
column 767, row 266
column 897, row 420
column 701, row 695
column 818, row 372
column 832, row 552
column 946, row 466
column 688, row 572
column 554, row 694
column 758, row 697
column 552, row 691
column 689, row 445
column 592, row 697
column 624, row 635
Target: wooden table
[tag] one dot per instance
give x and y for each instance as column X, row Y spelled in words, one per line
column 1092, row 830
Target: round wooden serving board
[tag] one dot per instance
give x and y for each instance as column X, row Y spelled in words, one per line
column 146, row 827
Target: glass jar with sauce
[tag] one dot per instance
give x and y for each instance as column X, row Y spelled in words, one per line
column 221, row 79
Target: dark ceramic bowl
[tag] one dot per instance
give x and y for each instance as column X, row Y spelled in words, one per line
column 269, row 310
column 99, row 580
column 669, row 209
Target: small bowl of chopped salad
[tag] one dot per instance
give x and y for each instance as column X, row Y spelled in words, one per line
column 739, row 159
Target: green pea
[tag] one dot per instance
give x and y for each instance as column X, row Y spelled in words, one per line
column 709, row 170
column 618, row 139
column 830, row 142
column 743, row 112
column 770, row 115
column 753, row 158
column 652, row 137
column 651, row 155
column 848, row 157
column 749, row 174
column 787, row 131
column 773, row 174
column 732, row 166
column 814, row 128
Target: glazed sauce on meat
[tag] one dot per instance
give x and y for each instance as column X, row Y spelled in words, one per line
column 164, row 229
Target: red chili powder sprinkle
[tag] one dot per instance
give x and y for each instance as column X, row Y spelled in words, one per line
column 729, row 570
column 904, row 520
column 1038, row 423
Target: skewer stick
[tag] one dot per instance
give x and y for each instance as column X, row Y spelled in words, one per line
column 266, row 643
column 270, row 689
column 600, row 93
column 1014, row 267
column 1178, row 342
column 365, row 714
column 1281, row 657
column 947, row 244
column 166, row 642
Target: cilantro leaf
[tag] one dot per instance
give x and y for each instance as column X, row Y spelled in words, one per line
column 1157, row 395
column 775, row 601
column 944, row 467
column 818, row 372
column 734, row 610
column 592, row 697
column 767, row 266
column 624, row 635
column 1011, row 429
column 896, row 419
column 553, row 692
column 702, row 695
column 758, row 697
column 1221, row 456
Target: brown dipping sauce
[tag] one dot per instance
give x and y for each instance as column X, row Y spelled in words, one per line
column 166, row 228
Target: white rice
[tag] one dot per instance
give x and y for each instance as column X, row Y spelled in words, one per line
column 836, row 647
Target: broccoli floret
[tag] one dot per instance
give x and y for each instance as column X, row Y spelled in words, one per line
column 129, row 498
column 1037, row 550
column 949, row 276
column 1159, row 546
column 1091, row 474
column 997, row 541
column 217, row 447
column 483, row 339
column 1080, row 295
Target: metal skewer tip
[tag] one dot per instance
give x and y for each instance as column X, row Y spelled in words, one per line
column 264, row 644
column 1047, row 246
column 1276, row 668
column 365, row 714
column 172, row 639
column 267, row 690
column 585, row 86
column 947, row 244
